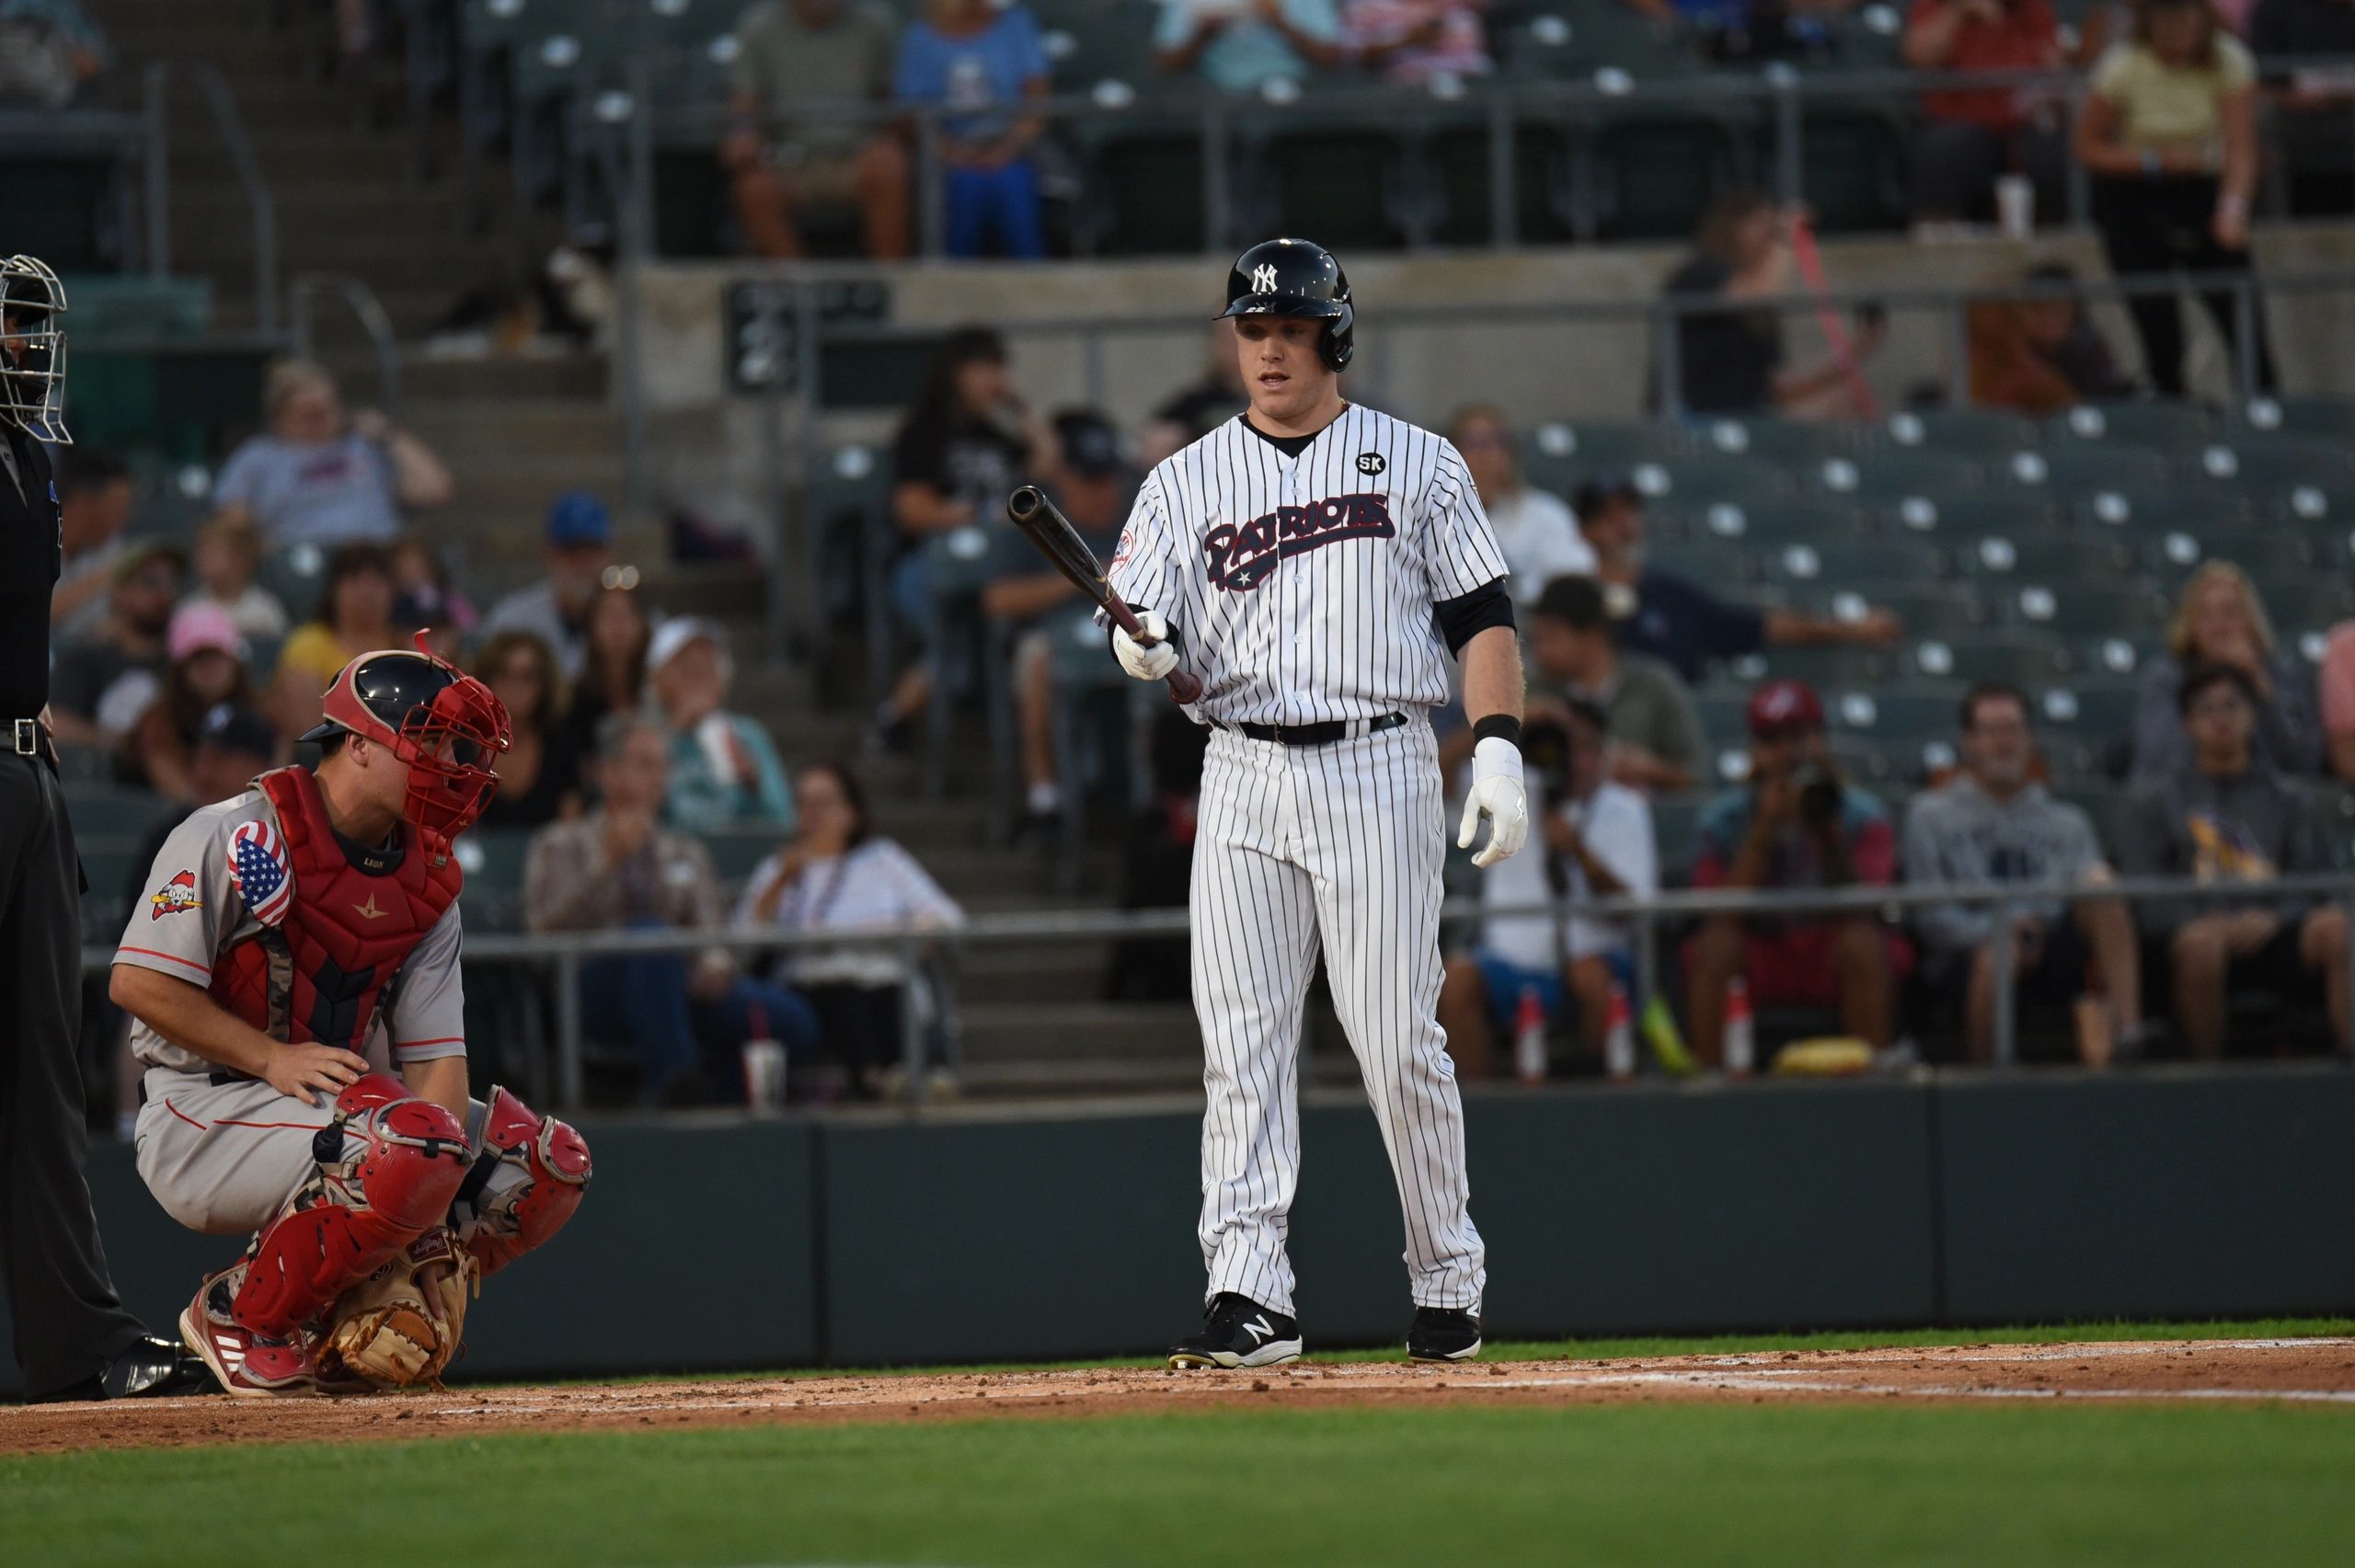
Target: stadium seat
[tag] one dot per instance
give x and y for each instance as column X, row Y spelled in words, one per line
column 1824, row 667
column 1927, row 609
column 493, row 860
column 1863, row 564
column 2008, row 656
column 2158, row 424
column 2079, row 608
column 1458, row 182
column 1142, row 192
column 2276, row 461
column 1885, row 476
column 2088, row 729
column 2104, row 656
column 2312, row 414
column 1779, row 521
column 1342, row 181
column 2109, row 807
column 1691, row 482
column 2303, row 602
column 2085, row 467
column 2034, row 557
column 1973, row 512
column 1789, row 441
column 1981, row 433
column 2149, row 510
column 1560, row 456
column 1673, row 816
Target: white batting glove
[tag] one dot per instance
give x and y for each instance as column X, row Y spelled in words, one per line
column 1499, row 794
column 1146, row 663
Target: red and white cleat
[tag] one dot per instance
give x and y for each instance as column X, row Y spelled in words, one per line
column 249, row 1365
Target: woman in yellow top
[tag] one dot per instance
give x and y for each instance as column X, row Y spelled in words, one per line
column 2169, row 135
column 354, row 616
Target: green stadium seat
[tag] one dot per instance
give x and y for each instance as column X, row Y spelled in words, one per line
column 1343, row 179
column 1912, row 732
column 493, row 860
column 1673, row 819
column 2162, row 426
column 1143, row 189
column 1560, row 456
column 2009, row 657
column 1703, row 558
column 2109, row 807
column 2312, row 414
column 2278, row 461
column 2150, row 510
column 1861, row 562
column 1822, row 667
column 1970, row 513
column 1456, row 161
column 2083, row 467
column 2108, row 656
column 1853, row 163
column 1886, row 475
column 1928, row 609
column 1980, row 433
column 1789, row 441
column 1779, row 521
column 2080, row 608
column 1651, row 175
column 737, row 851
column 2303, row 602
column 1688, row 481
column 2084, row 556
column 2098, row 714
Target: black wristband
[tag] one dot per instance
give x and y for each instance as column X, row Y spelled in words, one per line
column 1497, row 726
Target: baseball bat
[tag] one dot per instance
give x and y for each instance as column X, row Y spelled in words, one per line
column 1043, row 523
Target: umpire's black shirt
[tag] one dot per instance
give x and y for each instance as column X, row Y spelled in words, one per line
column 32, row 555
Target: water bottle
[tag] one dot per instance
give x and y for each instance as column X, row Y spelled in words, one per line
column 1619, row 1039
column 1529, row 1037
column 1741, row 1043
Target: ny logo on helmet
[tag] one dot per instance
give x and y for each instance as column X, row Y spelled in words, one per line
column 1263, row 280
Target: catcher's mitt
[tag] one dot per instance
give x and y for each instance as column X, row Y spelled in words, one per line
column 402, row 1324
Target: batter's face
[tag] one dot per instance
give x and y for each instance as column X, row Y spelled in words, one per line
column 1282, row 374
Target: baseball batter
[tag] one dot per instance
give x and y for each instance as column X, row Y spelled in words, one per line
column 1313, row 563
column 292, row 978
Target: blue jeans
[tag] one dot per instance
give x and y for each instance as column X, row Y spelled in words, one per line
column 1003, row 201
column 643, row 998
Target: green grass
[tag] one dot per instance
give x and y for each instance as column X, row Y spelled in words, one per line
column 1650, row 1484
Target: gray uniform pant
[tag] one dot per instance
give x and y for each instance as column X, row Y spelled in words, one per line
column 69, row 1324
column 224, row 1158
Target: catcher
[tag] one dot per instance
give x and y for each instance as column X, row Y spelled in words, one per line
column 292, row 978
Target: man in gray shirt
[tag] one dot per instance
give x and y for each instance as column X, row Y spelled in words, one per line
column 1994, row 824
column 2225, row 818
column 1654, row 740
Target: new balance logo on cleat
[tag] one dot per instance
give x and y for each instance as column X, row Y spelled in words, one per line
column 1238, row 1332
column 1258, row 1329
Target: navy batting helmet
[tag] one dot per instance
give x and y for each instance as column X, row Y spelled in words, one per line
column 1295, row 278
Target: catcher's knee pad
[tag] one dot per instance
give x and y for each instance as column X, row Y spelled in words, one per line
column 524, row 1184
column 389, row 1166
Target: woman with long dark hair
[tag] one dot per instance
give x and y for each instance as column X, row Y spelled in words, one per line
column 613, row 672
column 2169, row 135
column 539, row 776
column 837, row 875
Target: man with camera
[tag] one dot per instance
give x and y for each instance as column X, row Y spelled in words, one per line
column 1599, row 844
column 1795, row 824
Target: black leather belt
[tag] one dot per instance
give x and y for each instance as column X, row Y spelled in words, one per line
column 1316, row 734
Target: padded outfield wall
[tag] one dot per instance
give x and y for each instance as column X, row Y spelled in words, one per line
column 980, row 1234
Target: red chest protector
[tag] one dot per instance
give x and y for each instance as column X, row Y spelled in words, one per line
column 319, row 972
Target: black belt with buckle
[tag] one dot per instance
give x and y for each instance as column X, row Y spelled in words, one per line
column 24, row 737
column 1323, row 733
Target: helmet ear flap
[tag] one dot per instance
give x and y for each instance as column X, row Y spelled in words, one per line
column 1337, row 346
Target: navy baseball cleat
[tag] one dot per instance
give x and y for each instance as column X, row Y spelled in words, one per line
column 1443, row 1333
column 1238, row 1332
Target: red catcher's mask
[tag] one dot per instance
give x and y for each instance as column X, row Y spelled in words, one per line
column 444, row 723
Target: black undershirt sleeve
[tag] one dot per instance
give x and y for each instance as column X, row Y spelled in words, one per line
column 1468, row 615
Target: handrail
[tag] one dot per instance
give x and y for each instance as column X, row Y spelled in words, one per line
column 355, row 293
column 568, row 950
column 264, row 207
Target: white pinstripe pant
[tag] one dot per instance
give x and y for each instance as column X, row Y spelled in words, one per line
column 1344, row 842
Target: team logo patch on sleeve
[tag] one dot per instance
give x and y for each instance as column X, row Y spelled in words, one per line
column 258, row 864
column 173, row 898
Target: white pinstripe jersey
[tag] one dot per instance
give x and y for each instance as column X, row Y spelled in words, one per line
column 1301, row 587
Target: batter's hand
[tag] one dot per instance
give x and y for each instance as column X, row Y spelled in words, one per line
column 1499, row 794
column 1146, row 661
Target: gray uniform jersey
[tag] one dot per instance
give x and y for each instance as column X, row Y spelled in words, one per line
column 195, row 910
column 1301, row 587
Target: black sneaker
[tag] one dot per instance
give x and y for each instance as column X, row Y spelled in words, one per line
column 1442, row 1334
column 1238, row 1332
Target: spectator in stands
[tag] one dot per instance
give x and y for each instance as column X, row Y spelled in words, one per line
column 1652, row 731
column 93, row 497
column 617, row 868
column 539, row 778
column 103, row 679
column 1682, row 624
column 1242, row 48
column 1202, row 408
column 1731, row 361
column 967, row 439
column 1534, row 529
column 208, row 670
column 1970, row 137
column 1597, row 844
column 2036, row 357
column 51, row 52
column 2313, row 107
column 1410, row 41
column 318, row 477
column 789, row 55
column 1795, row 824
column 838, row 875
column 723, row 768
column 980, row 63
column 1158, row 862
column 1992, row 823
column 354, row 616
column 2227, row 817
column 2338, row 683
column 426, row 595
column 2219, row 620
column 228, row 555
column 1094, row 484
column 578, row 555
column 613, row 672
column 2169, row 135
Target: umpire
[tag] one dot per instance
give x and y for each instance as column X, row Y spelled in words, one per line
column 74, row 1339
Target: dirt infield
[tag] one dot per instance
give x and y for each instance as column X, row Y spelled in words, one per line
column 2306, row 1370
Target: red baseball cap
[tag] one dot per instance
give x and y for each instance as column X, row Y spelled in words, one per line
column 1780, row 706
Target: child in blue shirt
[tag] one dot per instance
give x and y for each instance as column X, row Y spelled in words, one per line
column 980, row 63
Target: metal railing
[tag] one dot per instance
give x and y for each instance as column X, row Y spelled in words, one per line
column 564, row 954
column 303, row 297
column 262, row 206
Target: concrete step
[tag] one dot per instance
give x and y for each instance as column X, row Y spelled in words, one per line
column 1075, row 1080
column 494, row 428
column 447, row 262
column 1093, row 1032
column 1077, row 974
column 586, row 378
